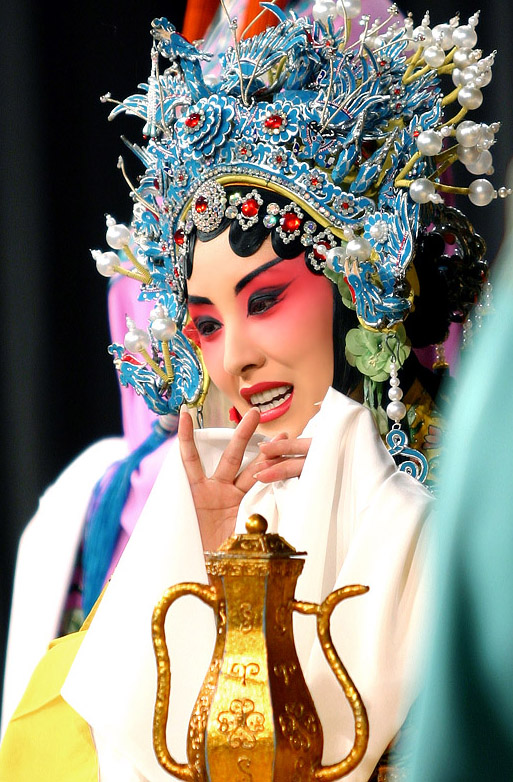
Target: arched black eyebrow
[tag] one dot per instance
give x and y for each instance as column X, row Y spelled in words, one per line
column 241, row 284
column 255, row 273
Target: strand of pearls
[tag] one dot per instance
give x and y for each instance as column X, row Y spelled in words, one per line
column 396, row 409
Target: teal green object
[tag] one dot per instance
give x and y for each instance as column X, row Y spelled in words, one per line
column 465, row 730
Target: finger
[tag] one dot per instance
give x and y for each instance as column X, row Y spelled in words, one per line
column 246, row 478
column 295, row 447
column 281, row 470
column 188, row 451
column 231, row 460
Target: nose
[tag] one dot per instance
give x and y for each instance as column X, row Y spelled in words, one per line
column 242, row 354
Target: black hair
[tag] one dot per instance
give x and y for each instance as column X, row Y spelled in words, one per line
column 245, row 242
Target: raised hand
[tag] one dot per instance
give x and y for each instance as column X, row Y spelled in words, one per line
column 217, row 498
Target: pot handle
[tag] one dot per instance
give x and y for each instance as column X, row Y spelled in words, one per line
column 208, row 595
column 323, row 613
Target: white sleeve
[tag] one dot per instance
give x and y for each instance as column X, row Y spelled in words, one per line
column 44, row 565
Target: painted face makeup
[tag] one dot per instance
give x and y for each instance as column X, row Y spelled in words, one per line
column 265, row 327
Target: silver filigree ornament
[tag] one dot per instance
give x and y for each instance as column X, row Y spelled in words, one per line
column 208, row 206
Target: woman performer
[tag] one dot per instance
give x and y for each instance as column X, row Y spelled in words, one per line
column 275, row 205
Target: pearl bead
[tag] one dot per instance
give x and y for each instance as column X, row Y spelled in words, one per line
column 320, row 249
column 469, row 75
column 434, row 56
column 429, row 142
column 353, row 8
column 456, row 76
column 395, row 394
column 359, row 248
column 137, row 340
column 468, row 154
column 481, row 192
column 422, row 36
column 442, row 34
column 421, row 190
column 396, row 411
column 163, row 329
column 334, row 258
column 482, row 165
column 118, row 236
column 323, row 10
column 394, row 380
column 463, row 57
column 470, row 97
column 504, row 192
column 105, row 262
column 158, row 311
column 464, row 36
column 468, row 133
column 484, row 78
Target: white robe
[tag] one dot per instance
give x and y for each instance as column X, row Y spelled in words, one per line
column 359, row 519
column 46, row 557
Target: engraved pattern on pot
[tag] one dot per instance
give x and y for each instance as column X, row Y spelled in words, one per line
column 281, row 620
column 246, row 617
column 301, row 771
column 285, row 672
column 241, row 723
column 297, row 725
column 244, row 672
column 244, row 764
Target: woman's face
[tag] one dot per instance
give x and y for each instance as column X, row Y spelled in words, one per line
column 265, row 327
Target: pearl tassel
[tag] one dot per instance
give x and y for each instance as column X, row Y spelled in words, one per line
column 396, row 409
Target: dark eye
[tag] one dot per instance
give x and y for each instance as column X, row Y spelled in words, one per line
column 264, row 300
column 207, row 326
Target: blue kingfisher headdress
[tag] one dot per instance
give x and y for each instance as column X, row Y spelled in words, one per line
column 355, row 139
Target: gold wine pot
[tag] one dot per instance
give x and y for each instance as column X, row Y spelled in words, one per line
column 254, row 719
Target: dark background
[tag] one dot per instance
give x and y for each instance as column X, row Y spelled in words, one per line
column 58, row 177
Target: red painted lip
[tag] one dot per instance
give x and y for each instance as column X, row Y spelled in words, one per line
column 275, row 412
column 247, row 393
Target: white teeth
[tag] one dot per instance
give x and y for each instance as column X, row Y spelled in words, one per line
column 264, row 397
column 267, row 400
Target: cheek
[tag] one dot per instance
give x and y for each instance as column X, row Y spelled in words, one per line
column 305, row 319
column 213, row 356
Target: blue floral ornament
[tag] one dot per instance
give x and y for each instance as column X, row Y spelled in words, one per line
column 377, row 229
column 205, row 127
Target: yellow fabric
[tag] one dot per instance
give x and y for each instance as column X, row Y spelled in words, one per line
column 46, row 740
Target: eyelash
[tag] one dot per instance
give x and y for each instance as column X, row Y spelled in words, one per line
column 207, row 327
column 270, row 296
column 203, row 324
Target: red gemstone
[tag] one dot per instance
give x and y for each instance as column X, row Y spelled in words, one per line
column 192, row 120
column 279, row 159
column 156, row 184
column 249, row 208
column 201, row 205
column 314, row 181
column 179, row 237
column 274, row 122
column 244, row 151
column 290, row 222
